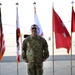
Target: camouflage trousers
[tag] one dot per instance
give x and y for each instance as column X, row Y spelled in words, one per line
column 35, row 68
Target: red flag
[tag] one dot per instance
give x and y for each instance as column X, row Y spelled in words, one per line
column 73, row 21
column 18, row 36
column 62, row 36
column 2, row 42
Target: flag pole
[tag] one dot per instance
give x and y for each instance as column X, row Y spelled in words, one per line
column 71, row 39
column 34, row 8
column 0, row 43
column 17, row 61
column 0, row 67
column 52, row 39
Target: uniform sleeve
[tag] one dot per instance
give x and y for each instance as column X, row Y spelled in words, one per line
column 45, row 50
column 24, row 48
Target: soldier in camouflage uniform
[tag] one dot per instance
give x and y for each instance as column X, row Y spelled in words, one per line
column 35, row 52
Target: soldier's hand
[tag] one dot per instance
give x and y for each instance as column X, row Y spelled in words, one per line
column 26, row 60
column 43, row 60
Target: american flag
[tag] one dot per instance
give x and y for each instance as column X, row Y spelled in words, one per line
column 18, row 36
column 2, row 42
column 36, row 21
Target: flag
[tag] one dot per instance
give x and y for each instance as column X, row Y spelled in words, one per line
column 73, row 21
column 18, row 36
column 2, row 41
column 62, row 36
column 36, row 21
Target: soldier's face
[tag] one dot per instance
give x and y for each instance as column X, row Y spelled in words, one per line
column 34, row 30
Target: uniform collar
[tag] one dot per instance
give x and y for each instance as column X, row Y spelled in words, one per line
column 37, row 36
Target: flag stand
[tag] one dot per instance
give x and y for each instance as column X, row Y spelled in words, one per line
column 71, row 38
column 17, row 61
column 53, row 50
column 17, row 69
column 71, row 57
column 16, row 39
column 71, row 54
column 0, row 67
column 52, row 39
column 1, row 41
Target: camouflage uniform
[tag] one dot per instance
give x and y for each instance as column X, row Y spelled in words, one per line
column 35, row 50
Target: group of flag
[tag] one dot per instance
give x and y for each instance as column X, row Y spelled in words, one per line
column 62, row 36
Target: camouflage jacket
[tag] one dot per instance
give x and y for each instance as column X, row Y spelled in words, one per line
column 35, row 49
